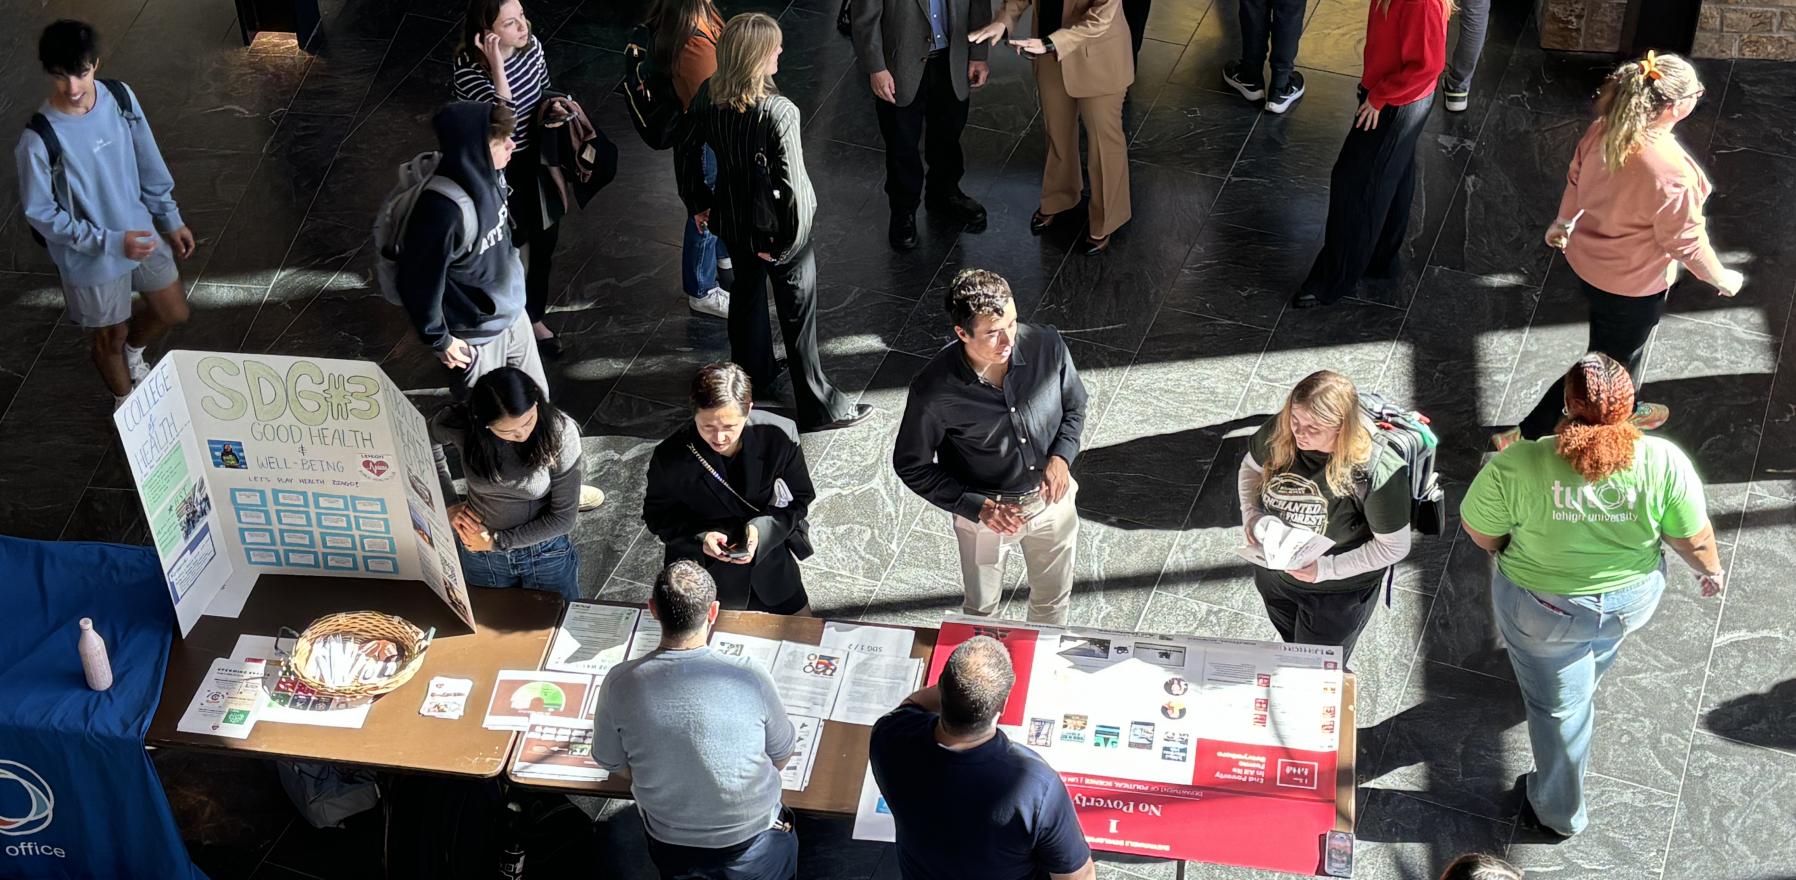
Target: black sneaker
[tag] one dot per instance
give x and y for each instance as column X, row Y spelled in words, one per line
column 1281, row 100
column 1250, row 88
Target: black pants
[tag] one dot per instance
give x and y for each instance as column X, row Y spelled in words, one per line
column 751, row 339
column 534, row 238
column 1620, row 327
column 773, row 583
column 1314, row 617
column 936, row 116
column 1369, row 193
column 1135, row 13
column 1281, row 21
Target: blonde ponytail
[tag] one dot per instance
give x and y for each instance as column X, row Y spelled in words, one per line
column 1634, row 96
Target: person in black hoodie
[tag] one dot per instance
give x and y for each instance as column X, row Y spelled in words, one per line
column 470, row 310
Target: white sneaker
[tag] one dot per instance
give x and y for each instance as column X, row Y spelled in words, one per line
column 726, row 263
column 1458, row 100
column 135, row 364
column 716, row 303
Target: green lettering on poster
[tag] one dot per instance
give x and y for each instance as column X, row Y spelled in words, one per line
column 158, row 489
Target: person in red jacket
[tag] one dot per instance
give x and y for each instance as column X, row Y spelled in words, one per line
column 1374, row 179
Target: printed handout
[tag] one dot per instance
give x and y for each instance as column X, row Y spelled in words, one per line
column 592, row 638
column 807, row 732
column 873, row 685
column 227, row 701
column 519, row 694
column 558, row 749
column 808, row 677
column 891, row 641
column 747, row 650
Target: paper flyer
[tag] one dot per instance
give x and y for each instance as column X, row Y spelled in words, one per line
column 555, row 748
column 446, row 698
column 520, row 693
column 1282, row 547
column 873, row 685
column 227, row 701
column 807, row 731
column 647, row 637
column 592, row 638
column 808, row 677
column 286, row 701
column 864, row 639
column 747, row 650
column 872, row 818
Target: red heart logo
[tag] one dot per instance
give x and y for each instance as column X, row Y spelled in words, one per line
column 377, row 468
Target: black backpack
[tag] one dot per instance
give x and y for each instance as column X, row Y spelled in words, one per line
column 59, row 183
column 648, row 91
column 1406, row 433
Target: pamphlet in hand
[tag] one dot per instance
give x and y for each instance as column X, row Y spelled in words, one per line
column 1283, row 548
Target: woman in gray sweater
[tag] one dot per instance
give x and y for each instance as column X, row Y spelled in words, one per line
column 521, row 459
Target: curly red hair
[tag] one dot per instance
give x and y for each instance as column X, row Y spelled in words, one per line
column 1597, row 436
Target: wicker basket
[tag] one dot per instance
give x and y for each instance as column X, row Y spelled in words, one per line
column 366, row 626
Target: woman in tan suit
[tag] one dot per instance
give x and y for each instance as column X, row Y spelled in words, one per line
column 1082, row 68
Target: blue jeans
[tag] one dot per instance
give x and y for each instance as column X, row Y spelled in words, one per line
column 699, row 250
column 1560, row 646
column 553, row 565
column 770, row 855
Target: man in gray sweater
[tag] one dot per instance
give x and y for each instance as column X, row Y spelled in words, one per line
column 704, row 740
column 96, row 192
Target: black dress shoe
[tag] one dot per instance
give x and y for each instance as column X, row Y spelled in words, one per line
column 1039, row 222
column 961, row 207
column 549, row 349
column 903, row 231
column 1528, row 821
column 860, row 414
column 1304, row 300
column 1096, row 246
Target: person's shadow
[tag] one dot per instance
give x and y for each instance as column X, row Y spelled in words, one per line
column 1160, row 472
column 1767, row 719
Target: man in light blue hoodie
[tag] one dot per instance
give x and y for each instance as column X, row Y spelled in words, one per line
column 97, row 196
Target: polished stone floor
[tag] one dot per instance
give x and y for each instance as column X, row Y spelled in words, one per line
column 1180, row 331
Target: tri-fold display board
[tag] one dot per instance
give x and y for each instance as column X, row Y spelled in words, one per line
column 252, row 464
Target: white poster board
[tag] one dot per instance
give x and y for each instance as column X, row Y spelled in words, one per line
column 284, row 465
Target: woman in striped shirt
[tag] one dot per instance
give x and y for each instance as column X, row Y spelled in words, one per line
column 499, row 62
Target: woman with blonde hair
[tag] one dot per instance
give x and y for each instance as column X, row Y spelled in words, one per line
column 761, row 205
column 1576, row 521
column 1632, row 211
column 1374, row 179
column 1315, row 470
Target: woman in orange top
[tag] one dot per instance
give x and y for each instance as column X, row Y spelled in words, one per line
column 1632, row 211
column 685, row 47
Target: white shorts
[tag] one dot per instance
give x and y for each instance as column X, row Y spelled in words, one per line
column 103, row 305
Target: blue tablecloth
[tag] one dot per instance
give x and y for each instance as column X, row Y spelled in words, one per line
column 79, row 797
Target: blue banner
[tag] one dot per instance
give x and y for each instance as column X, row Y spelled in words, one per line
column 78, row 795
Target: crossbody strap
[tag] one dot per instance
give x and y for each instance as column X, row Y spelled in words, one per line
column 719, row 478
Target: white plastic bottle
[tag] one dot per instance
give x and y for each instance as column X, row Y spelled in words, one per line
column 93, row 657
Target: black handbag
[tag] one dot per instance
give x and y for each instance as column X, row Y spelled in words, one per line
column 767, row 205
column 845, row 20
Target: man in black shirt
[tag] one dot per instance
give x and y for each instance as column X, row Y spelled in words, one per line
column 968, row 802
column 989, row 434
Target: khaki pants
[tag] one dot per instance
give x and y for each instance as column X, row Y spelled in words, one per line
column 1108, row 150
column 1048, row 543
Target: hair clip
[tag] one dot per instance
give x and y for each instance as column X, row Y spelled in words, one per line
column 1649, row 66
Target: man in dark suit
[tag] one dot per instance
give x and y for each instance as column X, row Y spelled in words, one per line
column 920, row 67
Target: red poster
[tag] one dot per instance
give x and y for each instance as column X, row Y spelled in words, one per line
column 1273, row 771
column 1020, row 643
column 1206, row 825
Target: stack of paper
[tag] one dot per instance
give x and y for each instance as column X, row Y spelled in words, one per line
column 558, row 749
column 807, row 732
column 592, row 638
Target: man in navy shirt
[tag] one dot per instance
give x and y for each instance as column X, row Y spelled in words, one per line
column 966, row 800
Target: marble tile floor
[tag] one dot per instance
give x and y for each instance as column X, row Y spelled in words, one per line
column 280, row 158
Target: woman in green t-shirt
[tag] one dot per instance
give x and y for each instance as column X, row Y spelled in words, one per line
column 1314, row 469
column 1575, row 520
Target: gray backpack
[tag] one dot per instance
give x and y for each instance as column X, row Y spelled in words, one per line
column 416, row 177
